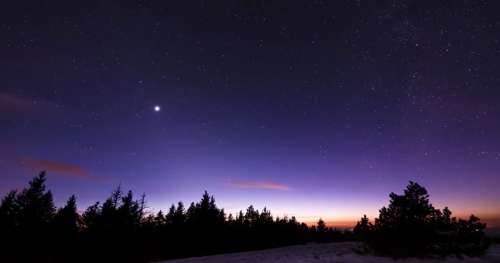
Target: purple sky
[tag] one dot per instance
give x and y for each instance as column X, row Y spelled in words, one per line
column 312, row 109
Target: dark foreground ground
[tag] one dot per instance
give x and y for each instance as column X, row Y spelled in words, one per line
column 325, row 253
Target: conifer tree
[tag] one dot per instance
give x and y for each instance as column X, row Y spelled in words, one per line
column 170, row 215
column 67, row 219
column 179, row 215
column 321, row 226
column 91, row 216
column 362, row 228
column 9, row 212
column 36, row 207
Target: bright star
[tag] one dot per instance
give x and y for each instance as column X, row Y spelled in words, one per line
column 157, row 108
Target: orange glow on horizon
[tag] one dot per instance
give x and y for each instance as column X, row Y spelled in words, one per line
column 490, row 220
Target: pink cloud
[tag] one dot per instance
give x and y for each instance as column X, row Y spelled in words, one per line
column 259, row 185
column 13, row 103
column 64, row 169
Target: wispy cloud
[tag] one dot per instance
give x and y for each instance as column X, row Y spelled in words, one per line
column 259, row 185
column 60, row 168
column 12, row 103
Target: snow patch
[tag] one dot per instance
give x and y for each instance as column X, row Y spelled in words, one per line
column 325, row 253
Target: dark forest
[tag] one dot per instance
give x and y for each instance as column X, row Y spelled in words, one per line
column 120, row 229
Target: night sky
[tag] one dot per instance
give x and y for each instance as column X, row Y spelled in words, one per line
column 311, row 108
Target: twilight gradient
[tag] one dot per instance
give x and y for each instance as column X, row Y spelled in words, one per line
column 310, row 108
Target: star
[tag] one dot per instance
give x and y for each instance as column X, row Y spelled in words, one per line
column 157, row 108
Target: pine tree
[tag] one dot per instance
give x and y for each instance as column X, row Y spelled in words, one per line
column 36, row 207
column 159, row 219
column 411, row 226
column 362, row 228
column 230, row 219
column 91, row 216
column 179, row 216
column 9, row 212
column 410, row 209
column 240, row 218
column 191, row 213
column 251, row 215
column 129, row 213
column 265, row 217
column 67, row 219
column 321, row 226
column 108, row 216
column 205, row 202
column 170, row 215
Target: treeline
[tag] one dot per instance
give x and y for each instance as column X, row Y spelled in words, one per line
column 411, row 226
column 32, row 229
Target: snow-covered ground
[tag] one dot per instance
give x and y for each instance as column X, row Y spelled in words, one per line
column 324, row 253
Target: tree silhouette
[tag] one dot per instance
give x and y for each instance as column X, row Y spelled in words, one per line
column 91, row 216
column 322, row 233
column 170, row 215
column 411, row 226
column 230, row 219
column 35, row 205
column 240, row 219
column 160, row 219
column 66, row 226
column 121, row 230
column 265, row 217
column 362, row 228
column 321, row 226
column 191, row 212
column 130, row 212
column 67, row 220
column 26, row 218
column 179, row 215
column 9, row 212
column 251, row 216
